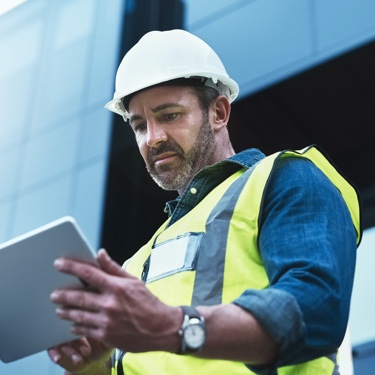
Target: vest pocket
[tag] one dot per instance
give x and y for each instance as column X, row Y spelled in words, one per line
column 172, row 256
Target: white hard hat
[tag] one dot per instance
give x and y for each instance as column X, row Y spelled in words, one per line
column 162, row 56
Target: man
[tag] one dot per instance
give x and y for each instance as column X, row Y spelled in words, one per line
column 253, row 270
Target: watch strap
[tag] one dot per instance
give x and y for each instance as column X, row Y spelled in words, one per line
column 191, row 311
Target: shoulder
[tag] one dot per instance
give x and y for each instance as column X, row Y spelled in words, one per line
column 298, row 181
column 297, row 171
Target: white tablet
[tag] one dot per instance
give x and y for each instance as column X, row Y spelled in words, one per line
column 28, row 323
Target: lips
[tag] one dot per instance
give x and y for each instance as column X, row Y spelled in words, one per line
column 165, row 156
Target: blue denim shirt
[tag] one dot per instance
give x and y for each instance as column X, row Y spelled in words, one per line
column 308, row 245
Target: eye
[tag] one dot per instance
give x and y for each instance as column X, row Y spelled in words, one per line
column 139, row 127
column 170, row 116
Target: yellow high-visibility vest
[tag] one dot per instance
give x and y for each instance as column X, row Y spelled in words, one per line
column 210, row 256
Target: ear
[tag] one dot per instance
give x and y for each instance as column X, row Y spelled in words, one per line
column 220, row 112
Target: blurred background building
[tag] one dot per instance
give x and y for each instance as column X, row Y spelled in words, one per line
column 306, row 70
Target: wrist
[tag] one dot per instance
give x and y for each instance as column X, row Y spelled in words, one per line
column 192, row 332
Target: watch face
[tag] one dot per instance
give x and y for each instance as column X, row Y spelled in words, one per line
column 194, row 336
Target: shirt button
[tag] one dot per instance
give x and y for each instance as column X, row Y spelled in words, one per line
column 193, row 191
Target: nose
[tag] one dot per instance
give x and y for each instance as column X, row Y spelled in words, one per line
column 155, row 134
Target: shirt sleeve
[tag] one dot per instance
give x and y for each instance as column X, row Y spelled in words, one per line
column 308, row 245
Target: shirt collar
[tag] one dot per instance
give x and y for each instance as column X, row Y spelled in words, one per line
column 220, row 170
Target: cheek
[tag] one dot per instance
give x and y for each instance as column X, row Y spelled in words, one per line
column 142, row 147
column 189, row 137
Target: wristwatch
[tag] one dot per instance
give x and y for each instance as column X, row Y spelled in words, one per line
column 192, row 331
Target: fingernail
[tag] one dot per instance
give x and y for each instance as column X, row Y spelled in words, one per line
column 54, row 296
column 76, row 359
column 59, row 311
column 104, row 252
column 58, row 263
column 56, row 358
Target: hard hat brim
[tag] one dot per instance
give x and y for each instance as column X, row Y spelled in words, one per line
column 115, row 105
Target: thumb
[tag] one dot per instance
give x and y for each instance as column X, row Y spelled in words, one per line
column 108, row 264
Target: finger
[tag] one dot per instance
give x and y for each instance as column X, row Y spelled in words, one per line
column 71, row 354
column 82, row 299
column 90, row 274
column 54, row 355
column 108, row 264
column 95, row 333
column 79, row 317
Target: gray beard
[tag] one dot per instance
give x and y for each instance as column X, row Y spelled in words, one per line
column 199, row 156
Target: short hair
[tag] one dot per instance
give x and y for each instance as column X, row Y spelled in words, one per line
column 206, row 95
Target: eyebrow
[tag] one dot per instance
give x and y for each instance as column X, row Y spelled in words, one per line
column 154, row 110
column 165, row 106
column 134, row 118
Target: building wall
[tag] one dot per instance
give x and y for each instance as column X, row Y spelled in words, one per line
column 262, row 42
column 57, row 65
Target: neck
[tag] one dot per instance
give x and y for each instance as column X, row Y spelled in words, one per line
column 220, row 154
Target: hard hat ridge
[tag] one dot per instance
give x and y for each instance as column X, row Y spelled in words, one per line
column 162, row 56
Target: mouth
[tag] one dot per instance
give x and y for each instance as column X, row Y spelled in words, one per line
column 165, row 157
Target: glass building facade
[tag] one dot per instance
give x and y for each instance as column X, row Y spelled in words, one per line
column 57, row 65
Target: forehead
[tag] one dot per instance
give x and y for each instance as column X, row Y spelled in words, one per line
column 156, row 96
